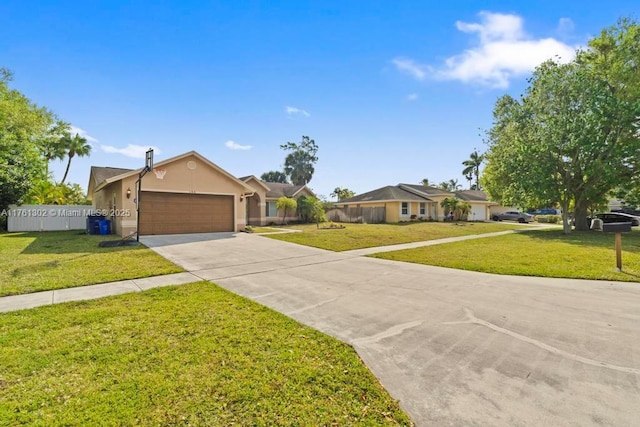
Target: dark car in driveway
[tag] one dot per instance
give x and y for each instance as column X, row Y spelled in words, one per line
column 545, row 211
column 513, row 216
column 609, row 217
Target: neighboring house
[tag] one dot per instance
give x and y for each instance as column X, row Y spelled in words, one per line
column 185, row 194
column 404, row 202
column 261, row 207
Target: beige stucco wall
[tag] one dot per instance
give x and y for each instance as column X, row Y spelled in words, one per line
column 111, row 202
column 256, row 203
column 394, row 211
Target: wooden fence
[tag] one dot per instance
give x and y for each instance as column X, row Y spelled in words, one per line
column 47, row 217
column 361, row 215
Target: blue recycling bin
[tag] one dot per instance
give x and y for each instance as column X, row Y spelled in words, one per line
column 105, row 227
column 93, row 223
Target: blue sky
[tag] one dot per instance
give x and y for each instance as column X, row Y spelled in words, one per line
column 391, row 91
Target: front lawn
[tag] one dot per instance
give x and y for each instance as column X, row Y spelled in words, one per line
column 543, row 253
column 40, row 261
column 358, row 236
column 187, row 355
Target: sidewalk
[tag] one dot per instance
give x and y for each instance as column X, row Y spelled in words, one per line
column 21, row 302
column 412, row 245
column 25, row 301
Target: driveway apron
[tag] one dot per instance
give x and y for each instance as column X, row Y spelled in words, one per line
column 454, row 347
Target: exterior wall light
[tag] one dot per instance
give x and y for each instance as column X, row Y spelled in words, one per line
column 128, row 193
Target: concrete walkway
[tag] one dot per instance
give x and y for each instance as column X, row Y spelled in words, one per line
column 37, row 299
column 21, row 302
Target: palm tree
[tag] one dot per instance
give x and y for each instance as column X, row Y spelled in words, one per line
column 46, row 193
column 51, row 146
column 472, row 167
column 73, row 146
column 342, row 193
column 453, row 185
column 449, row 204
column 425, row 182
column 462, row 211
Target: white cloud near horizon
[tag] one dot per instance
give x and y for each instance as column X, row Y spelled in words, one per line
column 131, row 150
column 565, row 26
column 502, row 52
column 409, row 66
column 83, row 133
column 293, row 111
column 232, row 145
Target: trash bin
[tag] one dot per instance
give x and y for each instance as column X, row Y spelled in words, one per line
column 105, row 226
column 93, row 225
column 596, row 224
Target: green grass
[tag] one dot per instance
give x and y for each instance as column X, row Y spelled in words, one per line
column 358, row 236
column 33, row 262
column 189, row 355
column 543, row 253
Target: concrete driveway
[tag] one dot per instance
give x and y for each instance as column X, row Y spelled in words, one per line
column 454, row 347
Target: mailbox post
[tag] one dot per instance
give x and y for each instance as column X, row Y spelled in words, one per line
column 618, row 228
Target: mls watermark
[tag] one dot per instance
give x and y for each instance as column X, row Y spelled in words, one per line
column 63, row 212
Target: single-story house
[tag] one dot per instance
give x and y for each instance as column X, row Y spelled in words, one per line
column 184, row 194
column 404, row 202
column 261, row 206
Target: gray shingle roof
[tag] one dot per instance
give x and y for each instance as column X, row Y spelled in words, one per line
column 390, row 192
column 278, row 189
column 101, row 173
column 472, row 195
column 427, row 190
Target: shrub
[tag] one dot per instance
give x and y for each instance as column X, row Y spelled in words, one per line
column 550, row 219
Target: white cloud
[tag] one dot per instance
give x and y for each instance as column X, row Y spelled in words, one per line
column 412, row 97
column 76, row 130
column 131, row 150
column 565, row 26
column 292, row 111
column 408, row 66
column 235, row 146
column 503, row 51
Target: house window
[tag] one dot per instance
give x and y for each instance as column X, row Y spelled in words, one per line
column 423, row 208
column 405, row 208
column 271, row 209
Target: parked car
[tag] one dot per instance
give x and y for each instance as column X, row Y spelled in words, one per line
column 629, row 211
column 609, row 217
column 513, row 216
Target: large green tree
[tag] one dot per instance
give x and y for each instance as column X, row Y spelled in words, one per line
column 613, row 57
column 570, row 138
column 274, row 176
column 299, row 163
column 23, row 128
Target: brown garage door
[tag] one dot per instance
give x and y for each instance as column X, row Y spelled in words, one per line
column 175, row 213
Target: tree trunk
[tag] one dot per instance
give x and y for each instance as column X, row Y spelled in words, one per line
column 284, row 217
column 580, row 216
column 566, row 221
column 66, row 172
